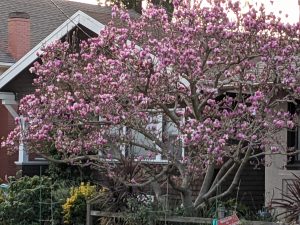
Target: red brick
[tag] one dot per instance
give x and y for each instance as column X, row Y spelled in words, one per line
column 18, row 34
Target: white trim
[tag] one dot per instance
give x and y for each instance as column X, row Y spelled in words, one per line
column 4, row 64
column 123, row 147
column 7, row 96
column 32, row 163
column 8, row 99
column 158, row 157
column 9, row 102
column 78, row 18
column 23, row 155
column 155, row 161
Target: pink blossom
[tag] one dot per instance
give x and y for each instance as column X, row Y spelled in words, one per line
column 148, row 84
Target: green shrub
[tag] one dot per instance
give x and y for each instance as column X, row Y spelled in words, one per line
column 30, row 199
column 1, row 196
column 74, row 208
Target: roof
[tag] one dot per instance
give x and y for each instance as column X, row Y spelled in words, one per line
column 5, row 57
column 45, row 17
column 78, row 18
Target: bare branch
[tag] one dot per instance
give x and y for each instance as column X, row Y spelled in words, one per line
column 221, row 172
column 236, row 178
column 71, row 160
column 153, row 179
column 207, row 179
column 171, row 114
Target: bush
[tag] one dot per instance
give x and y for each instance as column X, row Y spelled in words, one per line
column 30, row 199
column 1, row 196
column 74, row 208
column 290, row 201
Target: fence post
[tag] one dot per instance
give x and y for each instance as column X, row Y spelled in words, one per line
column 151, row 219
column 89, row 219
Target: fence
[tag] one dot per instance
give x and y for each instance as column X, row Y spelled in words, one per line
column 174, row 219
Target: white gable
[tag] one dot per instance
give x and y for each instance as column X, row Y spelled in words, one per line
column 78, row 18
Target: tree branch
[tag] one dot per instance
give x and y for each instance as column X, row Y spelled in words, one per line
column 153, row 179
column 171, row 114
column 222, row 171
column 236, row 178
column 207, row 180
column 212, row 190
column 71, row 160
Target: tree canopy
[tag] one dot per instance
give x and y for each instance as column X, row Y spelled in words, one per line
column 202, row 91
column 138, row 6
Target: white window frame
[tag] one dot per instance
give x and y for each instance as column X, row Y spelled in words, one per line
column 181, row 137
column 297, row 141
column 158, row 157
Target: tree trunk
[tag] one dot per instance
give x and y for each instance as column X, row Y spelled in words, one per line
column 187, row 202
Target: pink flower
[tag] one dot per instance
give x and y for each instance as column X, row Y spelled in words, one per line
column 290, row 124
column 241, row 136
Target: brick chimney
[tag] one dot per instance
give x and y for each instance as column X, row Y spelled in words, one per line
column 18, row 34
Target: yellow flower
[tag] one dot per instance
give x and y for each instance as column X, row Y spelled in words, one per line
column 85, row 190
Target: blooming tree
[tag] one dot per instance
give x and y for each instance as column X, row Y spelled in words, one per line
column 202, row 93
column 137, row 4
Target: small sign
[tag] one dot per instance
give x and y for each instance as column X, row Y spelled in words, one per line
column 230, row 220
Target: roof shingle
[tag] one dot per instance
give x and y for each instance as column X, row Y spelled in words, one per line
column 45, row 17
column 5, row 57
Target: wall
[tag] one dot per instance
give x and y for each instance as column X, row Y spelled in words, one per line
column 276, row 172
column 21, row 86
column 7, row 165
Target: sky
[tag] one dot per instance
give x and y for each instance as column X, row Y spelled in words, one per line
column 289, row 7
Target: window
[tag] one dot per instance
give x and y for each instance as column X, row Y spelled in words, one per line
column 173, row 140
column 293, row 136
column 136, row 144
column 141, row 143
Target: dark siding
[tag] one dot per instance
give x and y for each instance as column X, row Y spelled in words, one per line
column 21, row 85
column 252, row 188
column 7, row 166
column 31, row 170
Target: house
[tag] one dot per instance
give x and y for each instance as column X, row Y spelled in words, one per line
column 25, row 29
column 26, row 26
column 281, row 169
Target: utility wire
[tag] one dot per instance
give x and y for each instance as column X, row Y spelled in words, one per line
column 66, row 15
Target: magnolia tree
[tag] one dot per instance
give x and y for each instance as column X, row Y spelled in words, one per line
column 199, row 94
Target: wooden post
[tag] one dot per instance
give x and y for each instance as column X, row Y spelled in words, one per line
column 151, row 220
column 89, row 219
